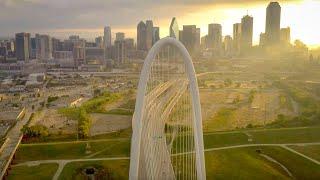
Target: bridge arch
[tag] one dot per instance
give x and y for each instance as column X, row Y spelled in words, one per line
column 137, row 123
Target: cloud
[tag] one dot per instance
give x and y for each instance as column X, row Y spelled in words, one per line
column 40, row 15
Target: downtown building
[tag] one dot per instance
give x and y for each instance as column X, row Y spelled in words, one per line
column 285, row 36
column 23, row 46
column 107, row 36
column 174, row 29
column 149, row 34
column 190, row 37
column 273, row 18
column 228, row 46
column 214, row 39
column 141, row 36
column 155, row 35
column 236, row 38
column 43, row 47
column 246, row 34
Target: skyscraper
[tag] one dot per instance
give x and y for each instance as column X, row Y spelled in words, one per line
column 99, row 42
column 236, row 38
column 262, row 41
column 120, row 36
column 174, row 28
column 228, row 46
column 189, row 39
column 246, row 33
column 107, row 36
column 273, row 18
column 43, row 47
column 149, row 34
column 204, row 43
column 141, row 36
column 198, row 39
column 285, row 36
column 215, row 38
column 120, row 51
column 23, row 46
column 155, row 35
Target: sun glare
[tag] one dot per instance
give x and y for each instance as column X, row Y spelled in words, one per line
column 299, row 16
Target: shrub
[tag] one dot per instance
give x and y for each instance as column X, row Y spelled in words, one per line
column 35, row 131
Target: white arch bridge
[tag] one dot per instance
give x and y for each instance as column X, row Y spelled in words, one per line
column 167, row 139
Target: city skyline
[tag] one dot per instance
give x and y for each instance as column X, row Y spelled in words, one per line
column 225, row 14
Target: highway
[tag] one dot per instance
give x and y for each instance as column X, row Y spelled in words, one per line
column 14, row 137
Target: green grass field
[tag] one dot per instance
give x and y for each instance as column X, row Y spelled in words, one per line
column 311, row 151
column 219, row 140
column 115, row 169
column 287, row 135
column 237, row 163
column 246, row 163
column 112, row 148
column 221, row 120
column 41, row 172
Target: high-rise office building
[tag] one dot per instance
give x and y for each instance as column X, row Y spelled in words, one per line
column 181, row 35
column 262, row 41
column 285, row 36
column 236, row 38
column 204, row 42
column 129, row 43
column 141, row 36
column 99, row 42
column 43, row 47
column 120, row 36
column 198, row 39
column 119, row 51
column 215, row 38
column 149, row 34
column 33, row 43
column 246, row 33
column 273, row 18
column 23, row 46
column 189, row 37
column 107, row 36
column 228, row 46
column 155, row 35
column 174, row 28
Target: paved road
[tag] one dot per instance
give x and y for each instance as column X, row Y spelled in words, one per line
column 14, row 137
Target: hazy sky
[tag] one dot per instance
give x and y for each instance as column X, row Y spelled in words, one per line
column 87, row 17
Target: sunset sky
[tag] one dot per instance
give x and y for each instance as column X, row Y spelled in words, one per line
column 61, row 18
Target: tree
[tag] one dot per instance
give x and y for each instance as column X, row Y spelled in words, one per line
column 35, row 131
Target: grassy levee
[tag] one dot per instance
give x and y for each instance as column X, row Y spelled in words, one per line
column 304, row 135
column 113, row 146
column 238, row 163
column 112, row 169
column 300, row 167
column 76, row 150
column 246, row 163
column 41, row 172
column 46, row 152
column 312, row 151
column 228, row 139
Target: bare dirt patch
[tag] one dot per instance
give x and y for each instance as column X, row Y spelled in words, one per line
column 106, row 123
